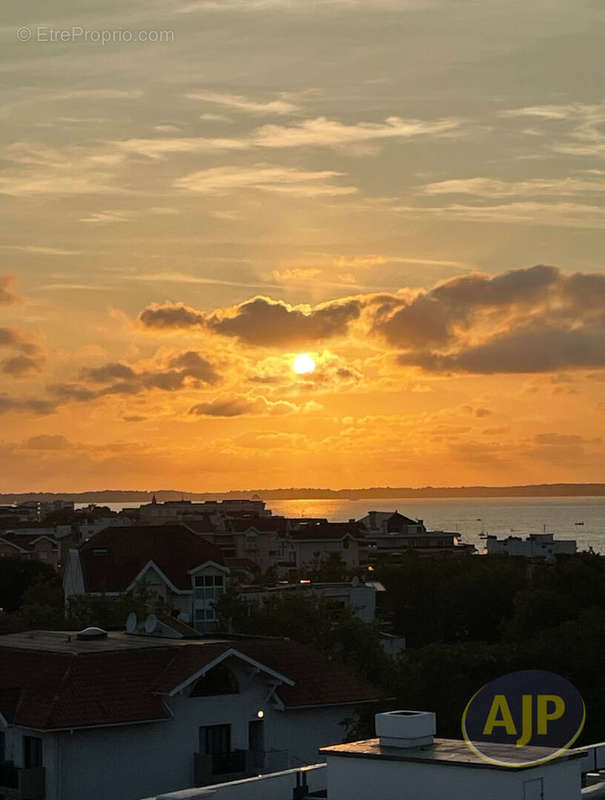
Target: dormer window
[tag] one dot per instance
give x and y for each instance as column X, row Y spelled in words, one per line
column 219, row 680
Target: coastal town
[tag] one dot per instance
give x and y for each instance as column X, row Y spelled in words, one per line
column 187, row 631
column 302, row 400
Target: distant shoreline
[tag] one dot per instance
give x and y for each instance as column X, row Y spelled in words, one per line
column 375, row 493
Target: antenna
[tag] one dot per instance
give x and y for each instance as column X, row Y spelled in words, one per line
column 131, row 623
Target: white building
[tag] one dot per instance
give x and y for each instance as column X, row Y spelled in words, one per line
column 355, row 595
column 392, row 534
column 99, row 716
column 183, row 510
column 537, row 545
column 389, row 522
column 406, row 762
column 407, row 754
column 312, row 544
column 177, row 570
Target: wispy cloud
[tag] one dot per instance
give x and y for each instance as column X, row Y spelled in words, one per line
column 107, row 217
column 246, row 405
column 298, row 6
column 580, row 126
column 7, row 295
column 318, row 132
column 323, row 132
column 40, row 250
column 281, row 180
column 534, row 187
column 241, row 103
column 42, row 170
column 567, row 215
column 188, row 278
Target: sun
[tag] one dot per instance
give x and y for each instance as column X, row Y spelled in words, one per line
column 303, row 364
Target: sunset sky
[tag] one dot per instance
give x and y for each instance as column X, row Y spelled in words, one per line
column 408, row 191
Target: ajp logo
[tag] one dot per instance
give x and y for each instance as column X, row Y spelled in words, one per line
column 528, row 710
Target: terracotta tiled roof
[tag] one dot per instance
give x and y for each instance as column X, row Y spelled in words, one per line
column 54, row 689
column 64, row 690
column 318, row 681
column 115, row 556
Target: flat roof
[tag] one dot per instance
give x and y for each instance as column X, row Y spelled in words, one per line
column 67, row 642
column 451, row 752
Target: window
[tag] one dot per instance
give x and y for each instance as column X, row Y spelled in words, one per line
column 209, row 588
column 219, row 680
column 32, row 752
column 202, row 614
column 209, row 581
column 215, row 740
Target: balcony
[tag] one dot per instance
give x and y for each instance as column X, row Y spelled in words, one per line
column 21, row 783
column 236, row 765
column 221, row 767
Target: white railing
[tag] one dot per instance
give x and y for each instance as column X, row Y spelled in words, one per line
column 594, row 760
column 273, row 786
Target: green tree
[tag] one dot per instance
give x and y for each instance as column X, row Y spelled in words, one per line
column 17, row 575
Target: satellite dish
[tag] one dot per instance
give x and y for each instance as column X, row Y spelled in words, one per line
column 151, row 623
column 355, row 581
column 131, row 623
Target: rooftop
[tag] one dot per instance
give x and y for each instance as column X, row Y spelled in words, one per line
column 64, row 682
column 113, row 558
column 66, row 642
column 452, row 752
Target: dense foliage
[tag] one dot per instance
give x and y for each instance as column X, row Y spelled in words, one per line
column 17, row 577
column 466, row 620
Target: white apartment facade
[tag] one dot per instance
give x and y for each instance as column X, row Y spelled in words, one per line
column 423, row 768
column 153, row 715
column 536, row 545
column 175, row 569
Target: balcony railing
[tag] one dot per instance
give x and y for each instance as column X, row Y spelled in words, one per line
column 220, row 767
column 21, row 783
column 229, row 763
column 237, row 764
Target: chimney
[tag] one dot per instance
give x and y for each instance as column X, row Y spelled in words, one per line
column 406, row 729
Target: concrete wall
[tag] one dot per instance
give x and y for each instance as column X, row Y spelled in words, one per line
column 360, row 779
column 299, row 732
